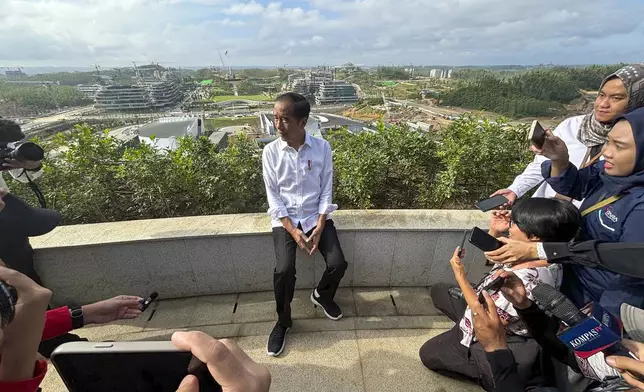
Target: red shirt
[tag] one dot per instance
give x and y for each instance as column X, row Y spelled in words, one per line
column 57, row 322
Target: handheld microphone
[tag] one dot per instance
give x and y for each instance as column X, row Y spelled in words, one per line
column 553, row 301
column 146, row 302
column 591, row 335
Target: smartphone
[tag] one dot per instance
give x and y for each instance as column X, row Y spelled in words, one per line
column 537, row 134
column 492, row 288
column 461, row 249
column 491, row 203
column 483, row 240
column 128, row 366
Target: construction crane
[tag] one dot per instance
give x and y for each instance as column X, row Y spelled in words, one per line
column 223, row 65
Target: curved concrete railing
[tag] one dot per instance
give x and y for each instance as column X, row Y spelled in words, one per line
column 182, row 257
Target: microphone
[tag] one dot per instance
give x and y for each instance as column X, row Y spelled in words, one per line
column 553, row 301
column 144, row 305
column 592, row 333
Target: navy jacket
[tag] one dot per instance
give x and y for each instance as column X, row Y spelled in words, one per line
column 621, row 221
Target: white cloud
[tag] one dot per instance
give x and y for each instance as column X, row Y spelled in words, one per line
column 251, row 8
column 116, row 32
column 229, row 22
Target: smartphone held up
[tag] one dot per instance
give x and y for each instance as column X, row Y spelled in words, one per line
column 537, row 134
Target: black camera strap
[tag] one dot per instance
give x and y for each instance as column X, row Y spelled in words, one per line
column 36, row 189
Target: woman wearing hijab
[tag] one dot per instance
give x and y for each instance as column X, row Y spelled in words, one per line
column 612, row 211
column 584, row 135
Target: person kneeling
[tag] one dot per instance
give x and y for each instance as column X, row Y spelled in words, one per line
column 457, row 351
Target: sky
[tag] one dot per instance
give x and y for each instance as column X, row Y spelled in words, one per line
column 36, row 33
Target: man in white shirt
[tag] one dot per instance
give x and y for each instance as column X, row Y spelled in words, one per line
column 298, row 174
column 619, row 93
column 15, row 250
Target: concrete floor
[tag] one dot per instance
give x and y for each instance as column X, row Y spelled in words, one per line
column 373, row 348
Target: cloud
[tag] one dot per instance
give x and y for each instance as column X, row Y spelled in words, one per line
column 264, row 32
column 251, row 8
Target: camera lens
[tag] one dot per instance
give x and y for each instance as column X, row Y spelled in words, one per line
column 8, row 299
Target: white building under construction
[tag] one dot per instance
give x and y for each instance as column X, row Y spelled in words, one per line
column 155, row 88
column 320, row 87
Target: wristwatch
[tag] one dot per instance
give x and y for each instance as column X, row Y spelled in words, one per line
column 76, row 313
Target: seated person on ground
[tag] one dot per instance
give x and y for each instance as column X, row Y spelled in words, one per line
column 457, row 352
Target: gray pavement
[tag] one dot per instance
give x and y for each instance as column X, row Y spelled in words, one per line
column 373, row 348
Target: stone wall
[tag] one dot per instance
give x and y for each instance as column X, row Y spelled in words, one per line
column 182, row 257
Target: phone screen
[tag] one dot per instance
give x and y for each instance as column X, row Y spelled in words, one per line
column 135, row 372
column 537, row 134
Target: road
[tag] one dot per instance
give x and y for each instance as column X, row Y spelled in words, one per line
column 44, row 121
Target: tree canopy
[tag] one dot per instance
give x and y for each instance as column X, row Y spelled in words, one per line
column 394, row 167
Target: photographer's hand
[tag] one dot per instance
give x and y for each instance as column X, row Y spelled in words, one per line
column 16, row 164
column 227, row 363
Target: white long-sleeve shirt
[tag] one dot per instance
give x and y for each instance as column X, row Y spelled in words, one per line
column 299, row 183
column 531, row 176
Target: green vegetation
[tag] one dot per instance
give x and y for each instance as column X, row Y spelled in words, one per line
column 214, row 123
column 537, row 92
column 33, row 99
column 141, row 182
column 391, row 73
column 246, row 87
column 224, row 98
column 391, row 168
column 258, row 73
column 66, row 78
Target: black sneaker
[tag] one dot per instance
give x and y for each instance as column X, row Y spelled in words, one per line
column 331, row 309
column 277, row 340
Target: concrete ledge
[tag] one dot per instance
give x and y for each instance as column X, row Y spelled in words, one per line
column 192, row 256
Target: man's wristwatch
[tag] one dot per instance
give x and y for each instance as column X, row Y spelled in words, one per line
column 76, row 313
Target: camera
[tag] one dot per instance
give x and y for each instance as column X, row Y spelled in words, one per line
column 455, row 292
column 27, row 151
column 10, row 146
column 8, row 299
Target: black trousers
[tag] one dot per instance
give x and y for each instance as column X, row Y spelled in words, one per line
column 446, row 355
column 284, row 274
column 18, row 254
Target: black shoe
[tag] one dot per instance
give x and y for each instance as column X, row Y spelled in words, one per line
column 331, row 309
column 48, row 346
column 277, row 340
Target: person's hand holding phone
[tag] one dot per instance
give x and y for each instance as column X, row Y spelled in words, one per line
column 488, row 328
column 20, row 339
column 508, row 194
column 457, row 264
column 514, row 290
column 553, row 148
column 513, row 252
column 228, row 364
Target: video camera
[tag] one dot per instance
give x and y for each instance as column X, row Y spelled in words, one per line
column 10, row 135
column 27, row 151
